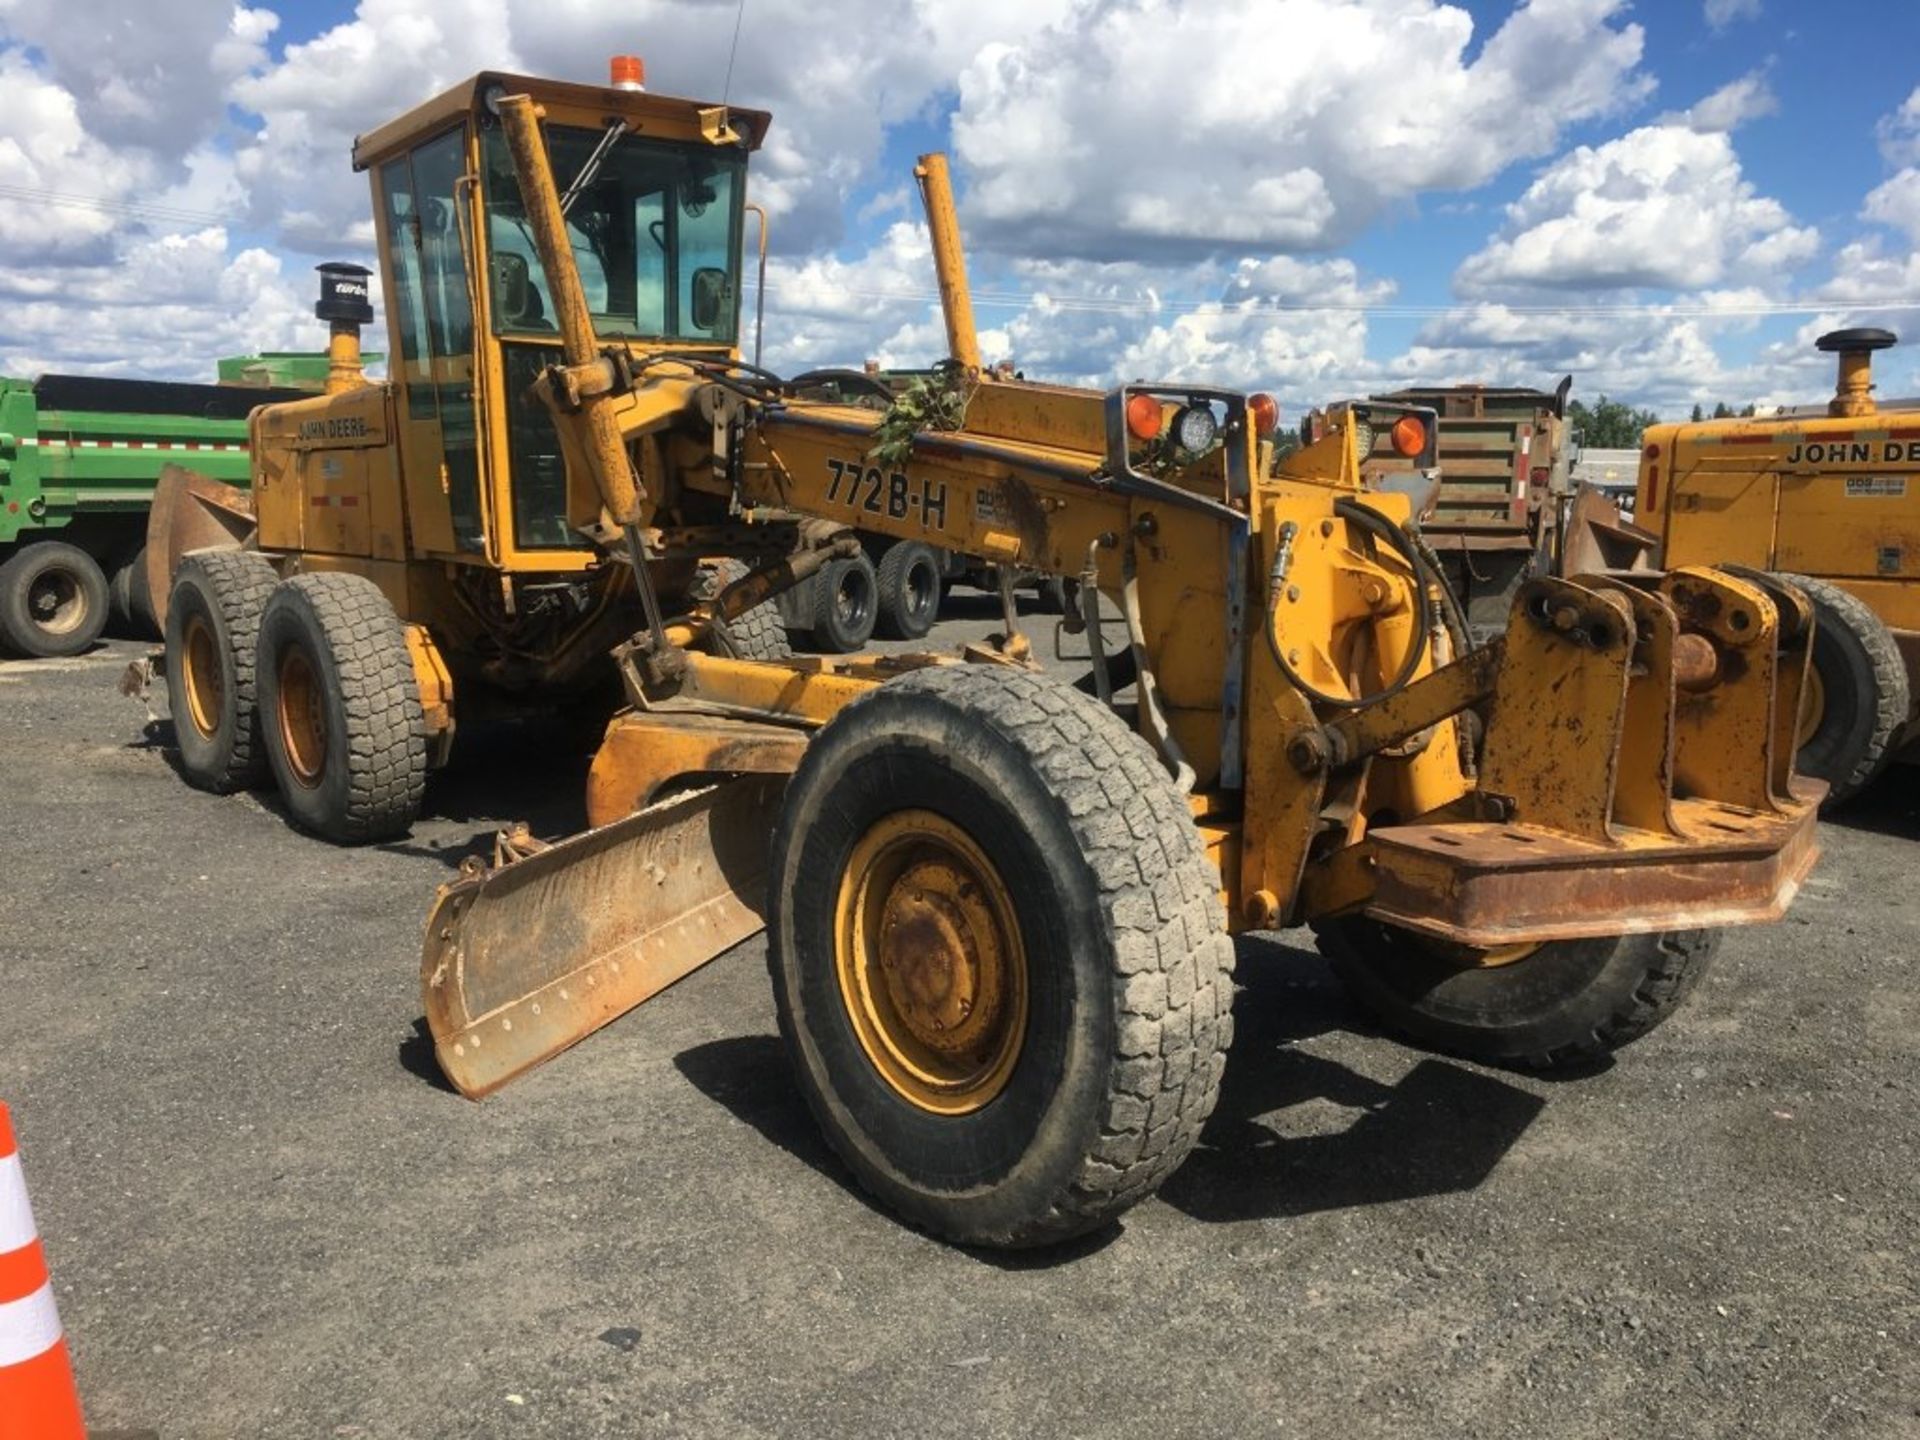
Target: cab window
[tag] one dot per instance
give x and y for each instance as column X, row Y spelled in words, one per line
column 654, row 231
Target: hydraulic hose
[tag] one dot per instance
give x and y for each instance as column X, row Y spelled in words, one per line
column 1383, row 529
column 1152, row 715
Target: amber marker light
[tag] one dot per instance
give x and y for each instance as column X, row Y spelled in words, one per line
column 1409, row 436
column 1265, row 411
column 1143, row 416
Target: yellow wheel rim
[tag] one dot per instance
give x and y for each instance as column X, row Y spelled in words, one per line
column 206, row 696
column 930, row 962
column 1813, row 709
column 1503, row 955
column 302, row 715
column 1473, row 957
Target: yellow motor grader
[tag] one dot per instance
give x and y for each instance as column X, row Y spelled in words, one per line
column 998, row 905
column 1828, row 497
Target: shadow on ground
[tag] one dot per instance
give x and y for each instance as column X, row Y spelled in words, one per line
column 1441, row 1127
column 417, row 1058
column 1890, row 805
column 751, row 1076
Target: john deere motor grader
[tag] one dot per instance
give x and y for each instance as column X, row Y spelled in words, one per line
column 409, row 550
column 1827, row 497
column 998, row 905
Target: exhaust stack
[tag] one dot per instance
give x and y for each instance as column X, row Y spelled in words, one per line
column 1853, row 388
column 345, row 306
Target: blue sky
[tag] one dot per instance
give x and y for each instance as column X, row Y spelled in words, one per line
column 1317, row 196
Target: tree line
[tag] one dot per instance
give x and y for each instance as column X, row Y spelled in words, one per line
column 1615, row 425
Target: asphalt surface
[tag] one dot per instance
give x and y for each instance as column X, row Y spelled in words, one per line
column 267, row 1217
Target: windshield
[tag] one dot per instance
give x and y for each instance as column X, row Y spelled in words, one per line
column 655, row 237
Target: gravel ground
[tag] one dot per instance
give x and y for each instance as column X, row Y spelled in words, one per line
column 266, row 1217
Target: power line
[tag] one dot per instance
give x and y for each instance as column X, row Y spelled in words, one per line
column 1018, row 300
column 134, row 208
column 1102, row 305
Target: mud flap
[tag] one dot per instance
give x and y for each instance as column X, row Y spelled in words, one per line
column 528, row 958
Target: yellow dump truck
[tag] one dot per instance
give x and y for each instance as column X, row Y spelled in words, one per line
column 998, row 905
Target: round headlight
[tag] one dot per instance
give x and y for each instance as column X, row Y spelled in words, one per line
column 1195, row 429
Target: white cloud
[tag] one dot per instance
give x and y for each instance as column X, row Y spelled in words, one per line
column 1731, row 106
column 58, row 183
column 834, row 78
column 1900, row 132
column 1182, row 127
column 1897, row 203
column 391, row 55
column 142, row 305
column 127, row 65
column 1722, row 13
column 1664, row 205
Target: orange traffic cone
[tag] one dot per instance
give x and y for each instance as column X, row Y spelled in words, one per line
column 38, row 1400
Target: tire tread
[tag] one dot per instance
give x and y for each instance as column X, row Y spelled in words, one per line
column 1891, row 697
column 239, row 582
column 1160, row 903
column 386, row 727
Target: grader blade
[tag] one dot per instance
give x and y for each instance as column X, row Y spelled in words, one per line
column 190, row 512
column 530, row 957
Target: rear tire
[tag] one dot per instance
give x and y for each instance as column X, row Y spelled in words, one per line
column 760, row 634
column 845, row 605
column 1862, row 690
column 1081, row 917
column 53, row 600
column 1566, row 1003
column 213, row 623
column 132, row 601
column 340, row 709
column 908, row 580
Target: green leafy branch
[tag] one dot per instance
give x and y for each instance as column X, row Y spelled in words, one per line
column 936, row 402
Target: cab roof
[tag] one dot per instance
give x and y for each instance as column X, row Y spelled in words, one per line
column 660, row 116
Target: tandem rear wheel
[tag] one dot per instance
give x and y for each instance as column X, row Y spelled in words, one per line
column 340, row 708
column 213, row 624
column 998, row 955
column 909, row 582
column 1856, row 697
column 1541, row 1007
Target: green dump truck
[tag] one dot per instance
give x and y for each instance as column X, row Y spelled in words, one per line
column 79, row 456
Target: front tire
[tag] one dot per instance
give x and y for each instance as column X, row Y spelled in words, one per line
column 1561, row 1003
column 340, row 709
column 998, row 955
column 53, row 600
column 1859, row 696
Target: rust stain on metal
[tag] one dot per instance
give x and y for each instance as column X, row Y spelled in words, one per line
column 1019, row 504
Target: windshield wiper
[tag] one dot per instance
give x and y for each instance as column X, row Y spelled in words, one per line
column 592, row 167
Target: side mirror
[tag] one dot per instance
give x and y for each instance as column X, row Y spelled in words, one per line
column 512, row 285
column 709, row 297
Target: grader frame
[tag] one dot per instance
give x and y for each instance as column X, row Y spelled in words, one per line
column 1293, row 675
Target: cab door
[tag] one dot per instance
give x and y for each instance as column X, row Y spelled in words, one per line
column 423, row 202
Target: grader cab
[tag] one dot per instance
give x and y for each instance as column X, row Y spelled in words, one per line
column 411, row 549
column 999, row 905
